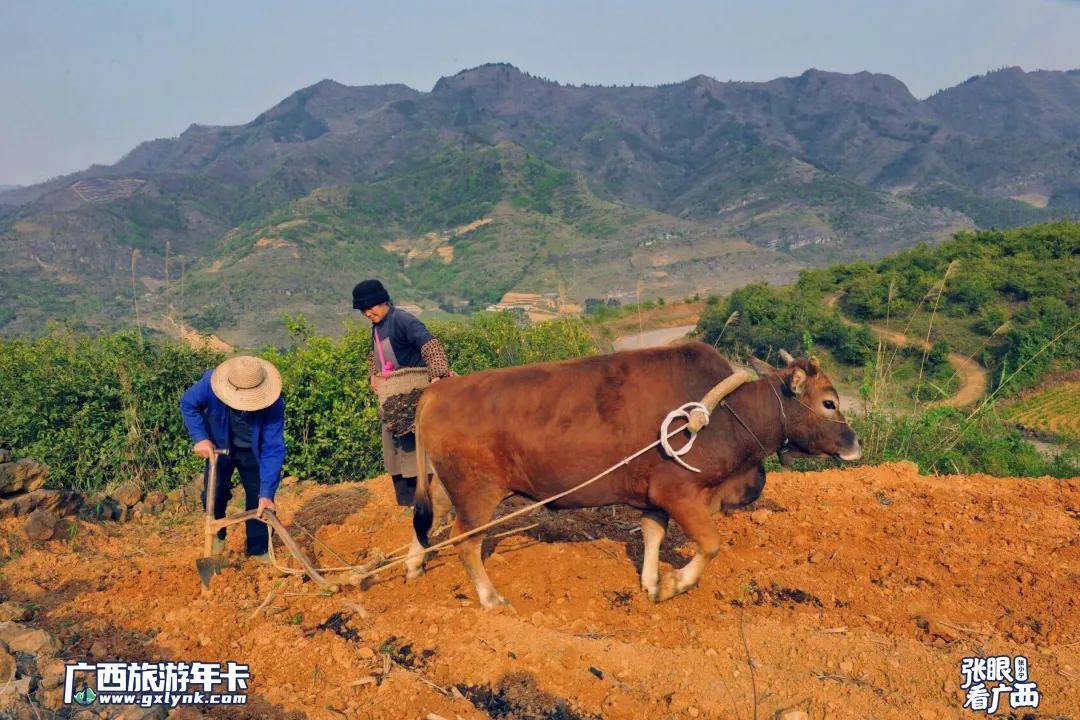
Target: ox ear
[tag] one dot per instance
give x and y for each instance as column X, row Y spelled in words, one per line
column 761, row 367
column 796, row 381
column 813, row 366
column 786, row 357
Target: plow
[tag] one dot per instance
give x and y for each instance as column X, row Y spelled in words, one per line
column 211, row 564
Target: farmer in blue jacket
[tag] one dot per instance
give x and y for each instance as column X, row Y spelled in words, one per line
column 238, row 406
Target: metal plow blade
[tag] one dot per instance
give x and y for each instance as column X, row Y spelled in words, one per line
column 209, row 567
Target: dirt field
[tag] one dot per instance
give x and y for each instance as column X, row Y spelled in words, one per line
column 855, row 593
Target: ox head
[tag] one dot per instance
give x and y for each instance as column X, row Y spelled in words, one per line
column 815, row 426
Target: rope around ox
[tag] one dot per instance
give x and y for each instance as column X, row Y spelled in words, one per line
column 697, row 415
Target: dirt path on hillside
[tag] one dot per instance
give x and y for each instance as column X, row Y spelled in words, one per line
column 858, row 592
column 192, row 337
column 652, row 338
column 974, row 378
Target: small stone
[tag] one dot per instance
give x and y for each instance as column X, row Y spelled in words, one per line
column 692, row 711
column 52, row 674
column 711, row 652
column 847, row 666
column 936, row 629
column 13, row 689
column 12, row 611
column 7, row 664
column 760, row 516
column 366, row 653
column 22, row 476
column 129, row 493
column 795, row 715
column 25, row 639
column 155, row 502
column 52, row 698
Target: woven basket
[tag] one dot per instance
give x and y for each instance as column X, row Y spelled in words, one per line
column 399, row 382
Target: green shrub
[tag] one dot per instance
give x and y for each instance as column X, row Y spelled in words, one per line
column 943, row 440
column 100, row 410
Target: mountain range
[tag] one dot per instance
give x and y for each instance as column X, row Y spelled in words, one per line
column 497, row 180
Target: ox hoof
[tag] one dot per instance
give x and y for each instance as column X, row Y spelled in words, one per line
column 653, row 591
column 414, row 574
column 496, row 602
column 670, row 586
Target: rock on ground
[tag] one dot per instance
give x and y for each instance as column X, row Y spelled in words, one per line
column 129, row 493
column 40, row 524
column 25, row 639
column 24, row 475
column 12, row 611
column 60, row 502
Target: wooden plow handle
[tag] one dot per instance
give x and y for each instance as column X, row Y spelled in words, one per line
column 211, row 501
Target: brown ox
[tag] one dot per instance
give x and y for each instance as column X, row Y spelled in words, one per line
column 540, row 429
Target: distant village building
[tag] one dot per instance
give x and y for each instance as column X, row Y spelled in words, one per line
column 410, row 308
column 536, row 306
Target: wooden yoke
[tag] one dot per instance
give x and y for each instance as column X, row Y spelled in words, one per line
column 699, row 418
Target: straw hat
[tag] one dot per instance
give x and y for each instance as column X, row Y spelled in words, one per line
column 246, row 383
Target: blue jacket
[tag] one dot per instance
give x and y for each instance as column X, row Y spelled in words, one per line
column 206, row 417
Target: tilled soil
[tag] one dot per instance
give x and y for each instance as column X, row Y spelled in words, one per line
column 846, row 594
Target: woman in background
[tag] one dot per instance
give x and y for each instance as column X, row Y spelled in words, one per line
column 398, row 340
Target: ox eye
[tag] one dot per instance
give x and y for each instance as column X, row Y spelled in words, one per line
column 829, row 405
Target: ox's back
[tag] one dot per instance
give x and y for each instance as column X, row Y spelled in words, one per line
column 614, row 390
column 544, row 425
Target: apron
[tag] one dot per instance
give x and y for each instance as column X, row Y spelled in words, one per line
column 399, row 453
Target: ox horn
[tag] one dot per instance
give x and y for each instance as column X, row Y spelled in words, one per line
column 815, row 365
column 714, row 397
column 786, row 357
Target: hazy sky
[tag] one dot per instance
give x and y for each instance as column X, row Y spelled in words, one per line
column 84, row 82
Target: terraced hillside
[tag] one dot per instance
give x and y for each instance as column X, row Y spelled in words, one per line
column 1053, row 410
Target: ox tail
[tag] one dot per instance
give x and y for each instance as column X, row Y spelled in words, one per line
column 423, row 515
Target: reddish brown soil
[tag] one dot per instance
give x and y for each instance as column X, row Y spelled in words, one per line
column 857, row 593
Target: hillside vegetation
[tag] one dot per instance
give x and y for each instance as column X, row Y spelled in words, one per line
column 454, row 231
column 1007, row 298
